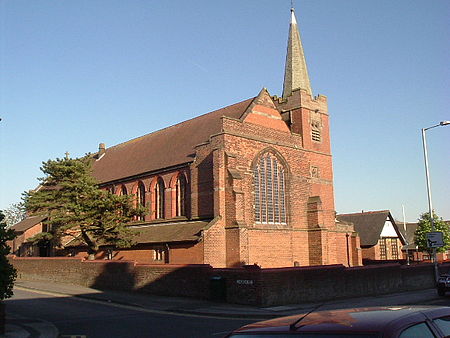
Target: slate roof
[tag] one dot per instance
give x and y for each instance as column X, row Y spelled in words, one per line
column 410, row 231
column 164, row 148
column 174, row 232
column 409, row 235
column 27, row 223
column 171, row 232
column 369, row 225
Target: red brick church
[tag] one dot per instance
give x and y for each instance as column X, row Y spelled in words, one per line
column 251, row 183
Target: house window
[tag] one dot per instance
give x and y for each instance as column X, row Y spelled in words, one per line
column 140, row 198
column 181, row 195
column 269, row 189
column 159, row 198
column 383, row 249
column 315, row 131
column 394, row 248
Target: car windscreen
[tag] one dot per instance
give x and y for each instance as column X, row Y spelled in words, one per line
column 443, row 324
column 305, row 335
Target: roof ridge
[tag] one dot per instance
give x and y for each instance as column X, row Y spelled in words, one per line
column 365, row 212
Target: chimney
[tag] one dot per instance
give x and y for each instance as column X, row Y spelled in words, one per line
column 101, row 150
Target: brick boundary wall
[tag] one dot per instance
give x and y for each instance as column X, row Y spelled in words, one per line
column 247, row 285
column 168, row 280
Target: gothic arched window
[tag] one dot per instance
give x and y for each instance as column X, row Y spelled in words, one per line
column 123, row 190
column 140, row 197
column 180, row 188
column 158, row 193
column 269, row 188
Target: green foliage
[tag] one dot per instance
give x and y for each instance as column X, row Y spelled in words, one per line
column 7, row 272
column 424, row 227
column 40, row 238
column 70, row 197
column 14, row 213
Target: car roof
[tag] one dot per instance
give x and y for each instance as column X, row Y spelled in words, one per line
column 374, row 319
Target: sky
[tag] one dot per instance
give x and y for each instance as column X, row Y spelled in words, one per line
column 74, row 74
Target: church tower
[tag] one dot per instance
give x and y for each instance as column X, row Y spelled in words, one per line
column 307, row 116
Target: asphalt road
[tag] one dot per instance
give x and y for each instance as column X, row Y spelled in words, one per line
column 441, row 301
column 92, row 319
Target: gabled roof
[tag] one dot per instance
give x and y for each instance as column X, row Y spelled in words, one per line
column 369, row 225
column 410, row 230
column 410, row 234
column 165, row 148
column 27, row 223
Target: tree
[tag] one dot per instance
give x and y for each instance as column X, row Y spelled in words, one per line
column 7, row 272
column 75, row 206
column 424, row 227
column 14, row 213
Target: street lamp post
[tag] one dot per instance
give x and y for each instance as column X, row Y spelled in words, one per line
column 427, row 173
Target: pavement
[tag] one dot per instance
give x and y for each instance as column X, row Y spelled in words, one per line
column 23, row 327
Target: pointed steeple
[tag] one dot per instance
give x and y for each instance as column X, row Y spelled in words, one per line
column 296, row 72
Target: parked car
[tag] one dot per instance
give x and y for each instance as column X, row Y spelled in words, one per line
column 392, row 321
column 443, row 284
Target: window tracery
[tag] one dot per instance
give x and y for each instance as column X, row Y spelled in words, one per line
column 269, row 189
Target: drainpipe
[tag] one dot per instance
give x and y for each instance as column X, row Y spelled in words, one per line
column 168, row 254
column 348, row 250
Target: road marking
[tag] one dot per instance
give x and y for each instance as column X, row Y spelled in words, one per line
column 129, row 307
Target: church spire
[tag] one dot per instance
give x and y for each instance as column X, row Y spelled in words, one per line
column 296, row 72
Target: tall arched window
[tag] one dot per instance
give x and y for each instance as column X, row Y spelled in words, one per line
column 123, row 190
column 140, row 198
column 159, row 198
column 180, row 188
column 269, row 188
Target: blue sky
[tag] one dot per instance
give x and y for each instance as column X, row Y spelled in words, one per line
column 77, row 73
